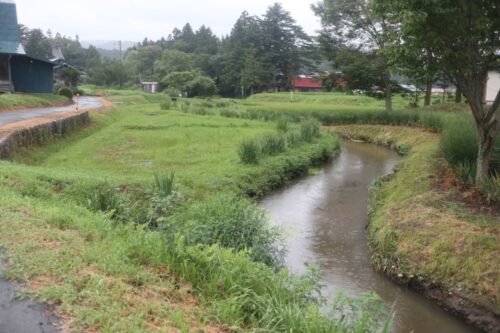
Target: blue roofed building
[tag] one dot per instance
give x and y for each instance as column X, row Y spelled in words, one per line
column 20, row 72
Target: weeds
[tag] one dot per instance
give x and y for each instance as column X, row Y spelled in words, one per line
column 164, row 184
column 283, row 125
column 310, row 130
column 272, row 144
column 249, row 151
column 232, row 222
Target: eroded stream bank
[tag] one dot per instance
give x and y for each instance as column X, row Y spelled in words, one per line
column 326, row 215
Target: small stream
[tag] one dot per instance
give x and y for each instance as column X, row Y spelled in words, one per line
column 325, row 217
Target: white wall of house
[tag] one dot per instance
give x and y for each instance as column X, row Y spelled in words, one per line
column 492, row 86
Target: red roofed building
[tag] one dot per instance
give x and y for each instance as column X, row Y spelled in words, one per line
column 307, row 83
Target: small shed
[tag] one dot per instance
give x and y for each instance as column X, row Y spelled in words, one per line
column 150, row 87
column 18, row 71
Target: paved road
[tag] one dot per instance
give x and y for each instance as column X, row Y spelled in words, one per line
column 21, row 316
column 8, row 117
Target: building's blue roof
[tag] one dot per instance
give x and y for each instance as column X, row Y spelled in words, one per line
column 10, row 42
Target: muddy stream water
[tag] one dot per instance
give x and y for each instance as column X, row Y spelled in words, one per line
column 325, row 216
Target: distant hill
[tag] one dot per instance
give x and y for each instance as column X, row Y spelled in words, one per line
column 109, row 48
column 108, row 44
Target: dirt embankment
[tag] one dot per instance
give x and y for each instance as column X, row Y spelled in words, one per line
column 38, row 131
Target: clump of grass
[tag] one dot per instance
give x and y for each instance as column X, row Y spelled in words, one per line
column 283, row 124
column 164, row 184
column 459, row 142
column 432, row 121
column 249, row 151
column 166, row 104
column 294, row 139
column 310, row 130
column 232, row 222
column 273, row 144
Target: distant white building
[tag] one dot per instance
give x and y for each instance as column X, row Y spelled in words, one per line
column 150, row 87
column 492, row 87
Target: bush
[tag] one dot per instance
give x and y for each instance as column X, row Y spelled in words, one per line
column 249, row 151
column 66, row 91
column 272, row 144
column 459, row 142
column 232, row 222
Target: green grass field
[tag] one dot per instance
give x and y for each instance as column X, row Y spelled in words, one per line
column 15, row 101
column 88, row 227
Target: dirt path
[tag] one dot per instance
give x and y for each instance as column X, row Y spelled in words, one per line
column 22, row 316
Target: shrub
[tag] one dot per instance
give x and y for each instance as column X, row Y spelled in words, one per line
column 459, row 141
column 249, row 151
column 272, row 144
column 232, row 222
column 310, row 129
column 66, row 91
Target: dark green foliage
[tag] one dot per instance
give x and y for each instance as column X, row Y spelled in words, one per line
column 232, row 222
column 249, row 151
column 66, row 91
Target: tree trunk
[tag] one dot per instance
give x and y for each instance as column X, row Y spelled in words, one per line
column 458, row 95
column 428, row 93
column 487, row 120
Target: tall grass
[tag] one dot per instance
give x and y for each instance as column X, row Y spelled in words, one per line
column 272, row 144
column 232, row 222
column 254, row 295
column 310, row 129
column 164, row 184
column 249, row 151
column 459, row 141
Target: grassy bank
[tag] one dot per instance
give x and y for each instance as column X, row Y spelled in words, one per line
column 421, row 231
column 19, row 101
column 89, row 229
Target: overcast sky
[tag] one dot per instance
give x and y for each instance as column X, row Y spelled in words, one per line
column 134, row 20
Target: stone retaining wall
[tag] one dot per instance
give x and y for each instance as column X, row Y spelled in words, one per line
column 39, row 134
